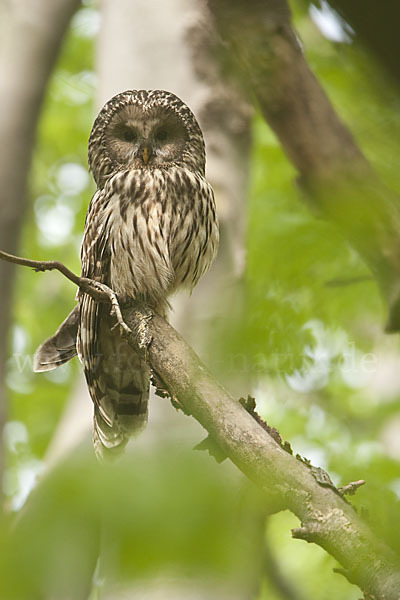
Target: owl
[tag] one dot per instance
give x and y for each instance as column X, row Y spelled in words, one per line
column 150, row 229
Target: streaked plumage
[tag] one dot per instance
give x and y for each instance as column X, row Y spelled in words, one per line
column 150, row 229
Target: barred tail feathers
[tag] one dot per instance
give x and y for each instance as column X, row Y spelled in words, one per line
column 118, row 380
column 121, row 412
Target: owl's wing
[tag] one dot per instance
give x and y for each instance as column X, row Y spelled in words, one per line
column 117, row 379
column 60, row 347
column 95, row 260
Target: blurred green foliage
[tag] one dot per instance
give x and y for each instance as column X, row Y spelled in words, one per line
column 310, row 344
column 157, row 513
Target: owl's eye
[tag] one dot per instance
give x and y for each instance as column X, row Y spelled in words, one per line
column 129, row 135
column 161, row 135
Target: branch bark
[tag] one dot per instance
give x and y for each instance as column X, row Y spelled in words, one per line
column 289, row 482
column 262, row 50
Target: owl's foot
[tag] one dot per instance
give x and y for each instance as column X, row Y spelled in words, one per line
column 115, row 307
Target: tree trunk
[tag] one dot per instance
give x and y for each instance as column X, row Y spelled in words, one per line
column 31, row 36
column 169, row 45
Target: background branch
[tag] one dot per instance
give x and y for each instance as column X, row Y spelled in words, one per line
column 376, row 27
column 263, row 52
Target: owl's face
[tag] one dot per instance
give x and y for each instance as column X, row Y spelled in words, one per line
column 144, row 130
column 139, row 139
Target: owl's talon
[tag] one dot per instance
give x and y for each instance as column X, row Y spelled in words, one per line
column 115, row 309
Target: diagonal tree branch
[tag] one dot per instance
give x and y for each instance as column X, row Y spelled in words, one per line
column 262, row 51
column 326, row 518
column 289, row 482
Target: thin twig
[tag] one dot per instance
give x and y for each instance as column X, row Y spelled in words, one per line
column 351, row 488
column 98, row 291
column 39, row 265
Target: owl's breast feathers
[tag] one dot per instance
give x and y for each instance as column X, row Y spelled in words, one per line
column 161, row 231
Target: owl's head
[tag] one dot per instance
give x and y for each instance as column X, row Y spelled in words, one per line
column 142, row 129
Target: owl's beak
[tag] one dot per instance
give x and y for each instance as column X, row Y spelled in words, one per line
column 146, row 153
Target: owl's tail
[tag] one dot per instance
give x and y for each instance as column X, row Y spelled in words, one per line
column 118, row 380
column 120, row 409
